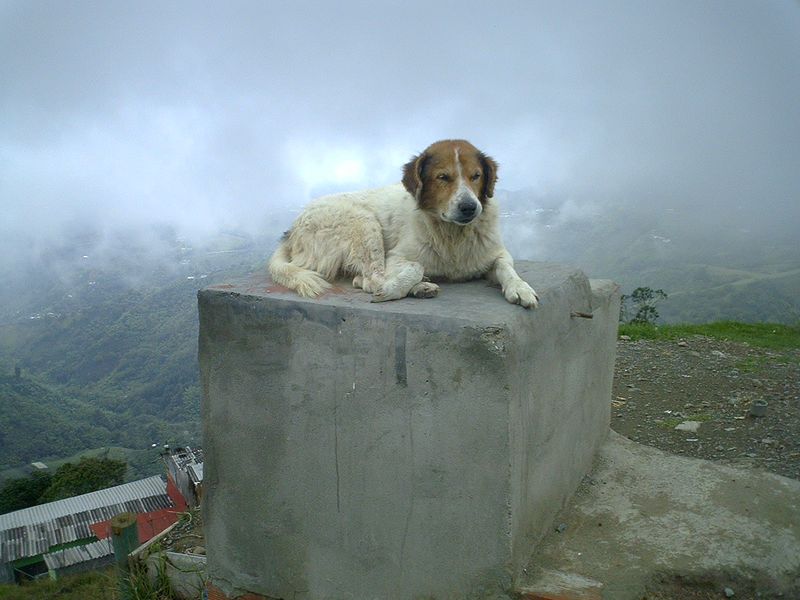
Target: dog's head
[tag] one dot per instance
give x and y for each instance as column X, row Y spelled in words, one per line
column 452, row 180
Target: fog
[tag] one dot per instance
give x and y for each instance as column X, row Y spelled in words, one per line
column 206, row 117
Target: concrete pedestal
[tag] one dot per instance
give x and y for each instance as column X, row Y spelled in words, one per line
column 410, row 449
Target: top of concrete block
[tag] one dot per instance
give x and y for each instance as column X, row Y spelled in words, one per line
column 560, row 288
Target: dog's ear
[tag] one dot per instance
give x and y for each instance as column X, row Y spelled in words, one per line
column 489, row 176
column 412, row 175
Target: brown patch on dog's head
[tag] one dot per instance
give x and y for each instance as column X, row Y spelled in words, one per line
column 489, row 176
column 446, row 171
column 412, row 174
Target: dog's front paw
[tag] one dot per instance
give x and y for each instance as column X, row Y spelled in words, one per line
column 386, row 292
column 519, row 292
column 368, row 284
column 425, row 289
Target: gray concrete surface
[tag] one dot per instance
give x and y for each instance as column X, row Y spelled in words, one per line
column 643, row 512
column 415, row 448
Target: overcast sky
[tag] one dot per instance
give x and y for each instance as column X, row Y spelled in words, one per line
column 208, row 116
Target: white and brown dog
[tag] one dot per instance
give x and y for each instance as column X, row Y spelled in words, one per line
column 439, row 224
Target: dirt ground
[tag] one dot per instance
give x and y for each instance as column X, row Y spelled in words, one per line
column 660, row 384
column 676, row 587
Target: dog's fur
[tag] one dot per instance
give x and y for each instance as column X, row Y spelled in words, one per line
column 440, row 223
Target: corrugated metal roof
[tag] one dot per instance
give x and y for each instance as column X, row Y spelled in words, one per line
column 34, row 530
column 78, row 554
column 196, row 472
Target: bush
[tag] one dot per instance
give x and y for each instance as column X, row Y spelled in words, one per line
column 644, row 300
column 88, row 475
column 70, row 479
column 21, row 493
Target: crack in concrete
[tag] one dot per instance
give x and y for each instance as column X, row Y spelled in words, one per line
column 400, row 367
column 336, row 453
column 410, row 510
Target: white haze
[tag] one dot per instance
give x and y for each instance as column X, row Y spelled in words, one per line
column 205, row 117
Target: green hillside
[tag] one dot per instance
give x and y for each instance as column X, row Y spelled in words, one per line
column 130, row 349
column 119, row 371
column 107, row 357
column 710, row 272
column 36, row 421
column 104, row 330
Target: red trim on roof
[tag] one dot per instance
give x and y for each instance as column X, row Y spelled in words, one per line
column 175, row 495
column 148, row 524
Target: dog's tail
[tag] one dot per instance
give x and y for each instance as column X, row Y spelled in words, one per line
column 305, row 282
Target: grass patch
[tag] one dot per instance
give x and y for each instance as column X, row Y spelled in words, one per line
column 93, row 585
column 638, row 331
column 144, row 588
column 753, row 364
column 764, row 335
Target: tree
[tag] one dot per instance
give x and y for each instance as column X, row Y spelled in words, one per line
column 88, row 475
column 644, row 301
column 23, row 492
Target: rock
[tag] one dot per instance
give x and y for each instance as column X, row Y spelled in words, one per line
column 198, row 550
column 688, row 426
column 625, row 338
column 758, row 408
column 562, row 527
column 719, row 354
column 729, row 593
column 683, row 344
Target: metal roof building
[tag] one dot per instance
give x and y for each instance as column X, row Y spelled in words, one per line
column 185, row 468
column 61, row 560
column 34, row 531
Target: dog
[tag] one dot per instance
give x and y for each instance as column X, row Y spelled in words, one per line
column 439, row 224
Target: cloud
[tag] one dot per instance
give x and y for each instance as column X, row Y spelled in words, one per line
column 209, row 116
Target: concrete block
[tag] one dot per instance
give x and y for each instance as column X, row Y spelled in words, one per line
column 409, row 449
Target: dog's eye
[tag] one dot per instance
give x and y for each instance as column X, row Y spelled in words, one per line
column 443, row 177
column 475, row 177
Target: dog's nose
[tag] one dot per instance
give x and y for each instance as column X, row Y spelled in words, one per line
column 467, row 208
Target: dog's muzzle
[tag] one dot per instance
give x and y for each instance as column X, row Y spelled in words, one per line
column 466, row 209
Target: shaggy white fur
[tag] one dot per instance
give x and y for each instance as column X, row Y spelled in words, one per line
column 391, row 245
